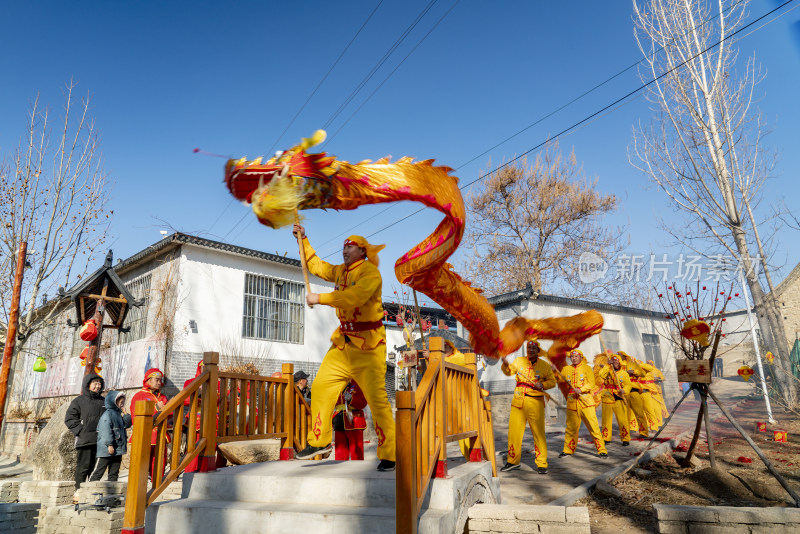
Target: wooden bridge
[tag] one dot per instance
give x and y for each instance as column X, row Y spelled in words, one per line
column 222, row 407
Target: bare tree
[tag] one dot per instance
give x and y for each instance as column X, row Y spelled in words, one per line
column 53, row 194
column 532, row 223
column 704, row 147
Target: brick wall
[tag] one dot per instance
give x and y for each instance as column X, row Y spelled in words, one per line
column 725, row 519
column 502, row 518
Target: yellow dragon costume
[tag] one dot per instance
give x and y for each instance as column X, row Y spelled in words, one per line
column 299, row 180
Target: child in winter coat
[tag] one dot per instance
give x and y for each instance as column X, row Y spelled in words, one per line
column 112, row 441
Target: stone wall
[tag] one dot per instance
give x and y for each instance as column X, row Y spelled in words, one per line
column 725, row 519
column 66, row 520
column 788, row 293
column 501, row 518
column 18, row 518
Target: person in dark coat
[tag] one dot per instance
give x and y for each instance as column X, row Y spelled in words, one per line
column 112, row 441
column 83, row 414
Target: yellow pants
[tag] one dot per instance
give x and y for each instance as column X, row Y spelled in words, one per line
column 368, row 369
column 589, row 418
column 642, row 410
column 532, row 411
column 632, row 422
column 650, row 411
column 660, row 406
column 620, row 410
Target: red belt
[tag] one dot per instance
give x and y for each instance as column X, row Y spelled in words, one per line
column 523, row 385
column 359, row 326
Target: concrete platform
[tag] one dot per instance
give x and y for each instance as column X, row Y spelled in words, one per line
column 323, row 496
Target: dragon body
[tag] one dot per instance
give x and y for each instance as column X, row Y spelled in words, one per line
column 296, row 179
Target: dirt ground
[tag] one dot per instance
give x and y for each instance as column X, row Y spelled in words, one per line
column 740, row 477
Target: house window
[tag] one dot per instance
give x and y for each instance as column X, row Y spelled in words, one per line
column 136, row 320
column 273, row 309
column 652, row 349
column 611, row 339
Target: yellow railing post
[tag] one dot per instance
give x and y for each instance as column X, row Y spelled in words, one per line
column 287, row 444
column 475, row 400
column 210, row 400
column 406, row 472
column 136, row 497
column 436, row 360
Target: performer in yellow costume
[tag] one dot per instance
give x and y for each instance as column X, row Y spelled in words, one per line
column 616, row 388
column 659, row 406
column 580, row 404
column 455, row 356
column 533, row 377
column 358, row 349
column 640, row 399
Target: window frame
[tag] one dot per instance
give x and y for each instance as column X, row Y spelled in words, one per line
column 273, row 309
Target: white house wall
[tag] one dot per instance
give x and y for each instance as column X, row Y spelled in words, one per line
column 212, row 294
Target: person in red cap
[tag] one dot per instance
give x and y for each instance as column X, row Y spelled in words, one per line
column 151, row 390
column 349, row 423
column 358, row 346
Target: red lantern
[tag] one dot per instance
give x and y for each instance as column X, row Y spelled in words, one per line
column 88, row 330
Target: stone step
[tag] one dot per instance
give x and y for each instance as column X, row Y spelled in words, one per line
column 299, row 482
column 223, row 517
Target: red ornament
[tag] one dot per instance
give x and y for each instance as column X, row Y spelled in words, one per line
column 704, row 287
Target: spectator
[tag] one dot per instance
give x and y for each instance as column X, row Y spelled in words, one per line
column 83, row 414
column 349, row 423
column 111, row 437
column 301, row 381
column 151, row 390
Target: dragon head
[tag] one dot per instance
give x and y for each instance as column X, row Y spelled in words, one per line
column 278, row 187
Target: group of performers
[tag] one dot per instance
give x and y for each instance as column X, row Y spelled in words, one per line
column 352, row 375
column 623, row 386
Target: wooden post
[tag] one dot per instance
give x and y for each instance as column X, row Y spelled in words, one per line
column 210, row 417
column 136, row 497
column 436, row 361
column 712, row 459
column 475, row 449
column 406, row 472
column 287, row 444
column 303, row 261
column 94, row 345
column 13, row 325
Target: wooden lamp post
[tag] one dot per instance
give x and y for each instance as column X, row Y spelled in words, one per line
column 103, row 298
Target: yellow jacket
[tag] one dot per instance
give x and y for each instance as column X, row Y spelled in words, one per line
column 611, row 392
column 581, row 377
column 528, row 374
column 356, row 297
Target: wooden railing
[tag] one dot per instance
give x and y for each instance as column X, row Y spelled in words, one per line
column 231, row 407
column 447, row 406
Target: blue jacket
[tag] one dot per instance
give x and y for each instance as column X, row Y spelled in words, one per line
column 111, row 428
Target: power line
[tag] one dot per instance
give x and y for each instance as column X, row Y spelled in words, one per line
column 604, row 108
column 346, row 48
column 393, row 71
column 378, row 65
column 536, row 122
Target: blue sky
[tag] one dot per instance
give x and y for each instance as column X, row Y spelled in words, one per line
column 166, row 77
